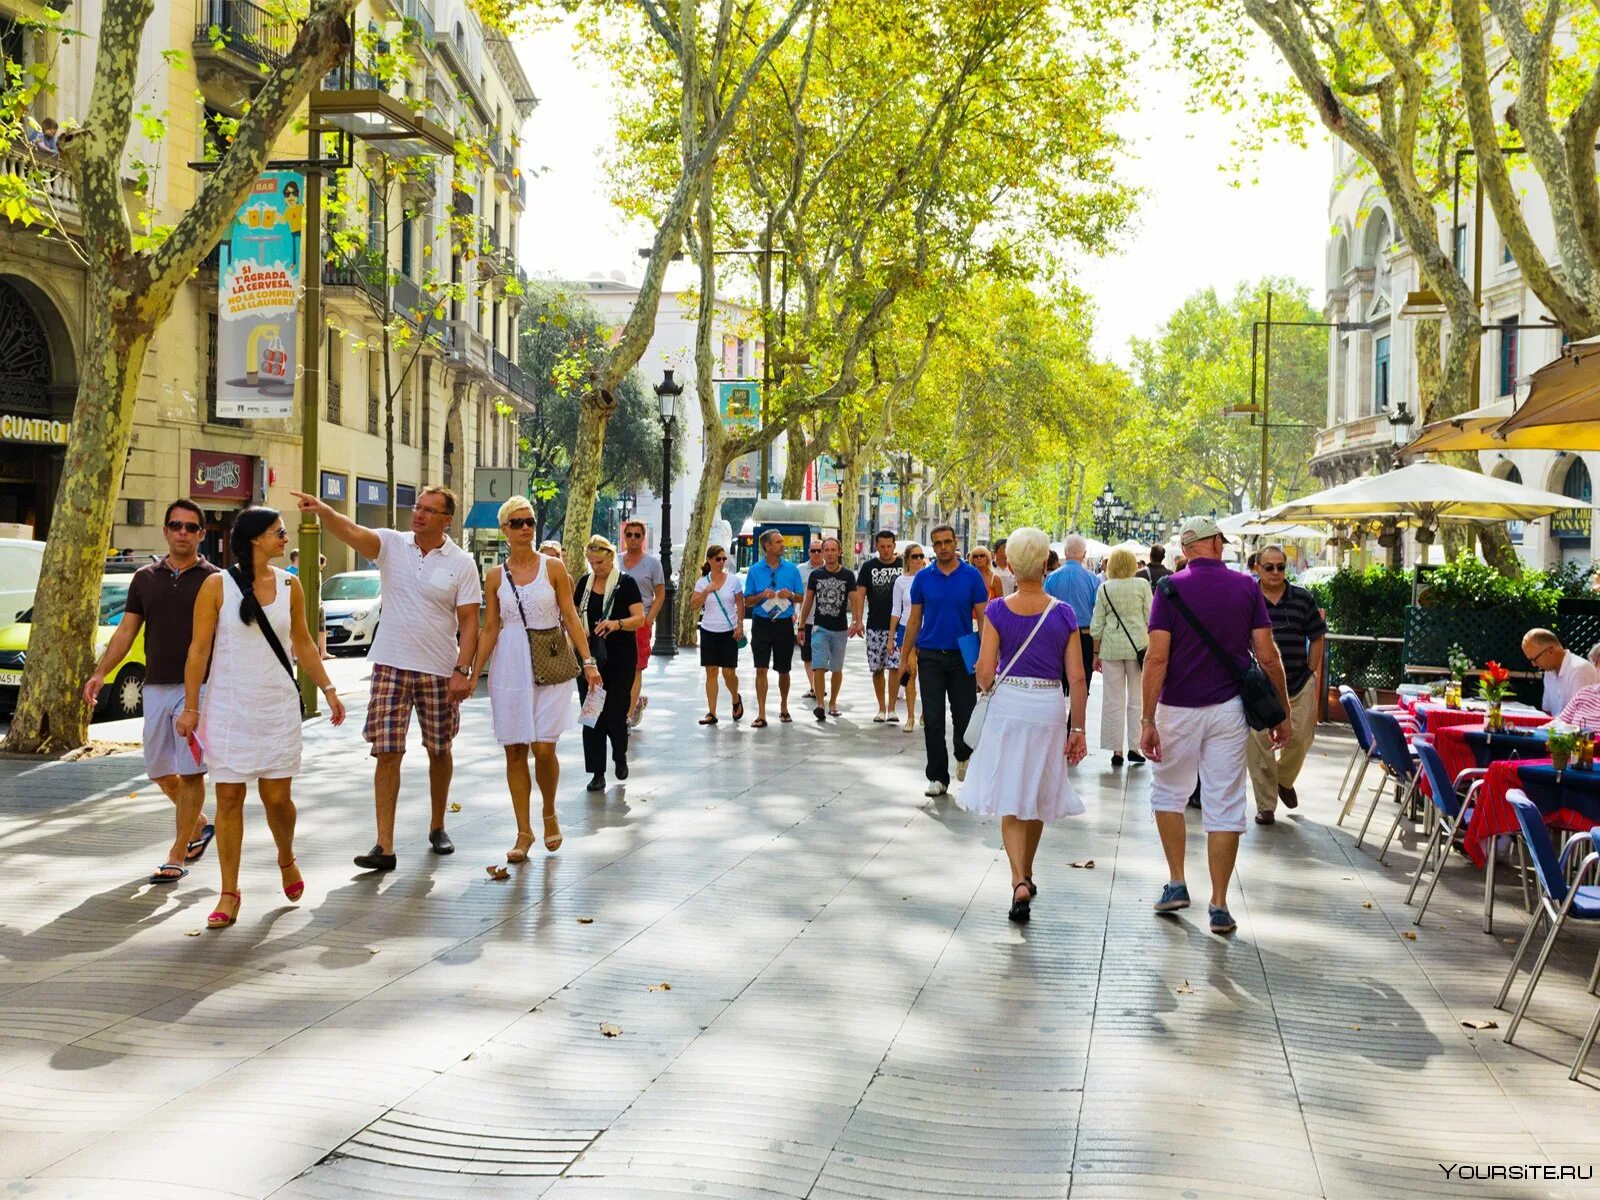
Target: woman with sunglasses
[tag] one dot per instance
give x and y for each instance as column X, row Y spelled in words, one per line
column 915, row 559
column 530, row 590
column 719, row 599
column 247, row 621
column 612, row 610
column 981, row 558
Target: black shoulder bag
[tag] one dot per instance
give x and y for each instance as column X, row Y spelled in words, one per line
column 249, row 593
column 1262, row 707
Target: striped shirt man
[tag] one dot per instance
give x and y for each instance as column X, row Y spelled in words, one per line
column 1296, row 623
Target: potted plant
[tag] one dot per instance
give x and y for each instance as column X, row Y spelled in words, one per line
column 1461, row 666
column 1494, row 685
column 1563, row 744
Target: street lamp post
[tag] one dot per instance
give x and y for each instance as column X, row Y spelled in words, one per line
column 667, row 393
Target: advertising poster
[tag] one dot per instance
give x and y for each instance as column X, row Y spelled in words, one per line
column 827, row 479
column 739, row 403
column 258, row 291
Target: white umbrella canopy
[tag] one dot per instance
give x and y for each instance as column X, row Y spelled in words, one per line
column 1092, row 547
column 1424, row 493
column 1250, row 524
column 1136, row 548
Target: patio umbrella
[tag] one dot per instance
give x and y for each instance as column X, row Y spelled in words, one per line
column 1424, row 494
column 1249, row 524
column 1474, row 430
column 1562, row 410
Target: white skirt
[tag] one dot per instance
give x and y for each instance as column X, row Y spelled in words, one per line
column 1019, row 768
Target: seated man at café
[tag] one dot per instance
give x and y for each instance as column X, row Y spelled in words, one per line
column 1564, row 672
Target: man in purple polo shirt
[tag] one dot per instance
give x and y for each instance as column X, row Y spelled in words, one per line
column 1194, row 724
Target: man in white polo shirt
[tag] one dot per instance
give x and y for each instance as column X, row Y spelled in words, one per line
column 422, row 655
column 1565, row 674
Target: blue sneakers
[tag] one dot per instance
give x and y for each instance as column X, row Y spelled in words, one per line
column 1221, row 920
column 1173, row 897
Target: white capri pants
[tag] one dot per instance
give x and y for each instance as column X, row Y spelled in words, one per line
column 1208, row 744
column 1121, row 702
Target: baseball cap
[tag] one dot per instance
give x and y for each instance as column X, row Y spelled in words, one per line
column 1197, row 529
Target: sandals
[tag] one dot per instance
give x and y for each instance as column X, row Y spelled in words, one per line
column 197, row 848
column 894, row 718
column 785, row 717
column 709, row 719
column 1019, row 908
column 520, row 852
column 738, row 708
column 552, row 841
column 296, row 889
column 221, row 920
column 759, row 723
column 160, row 877
column 880, row 718
column 834, row 712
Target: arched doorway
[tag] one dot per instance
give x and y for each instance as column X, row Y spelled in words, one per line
column 452, row 465
column 38, row 384
column 1514, row 529
column 1573, row 530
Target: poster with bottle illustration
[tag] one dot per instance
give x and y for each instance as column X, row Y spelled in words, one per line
column 258, row 296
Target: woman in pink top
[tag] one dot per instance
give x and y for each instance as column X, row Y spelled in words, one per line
column 1018, row 771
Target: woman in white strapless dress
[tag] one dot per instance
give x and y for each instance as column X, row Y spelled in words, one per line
column 529, row 590
column 248, row 725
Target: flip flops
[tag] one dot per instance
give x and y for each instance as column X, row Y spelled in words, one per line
column 158, row 877
column 197, row 848
column 759, row 723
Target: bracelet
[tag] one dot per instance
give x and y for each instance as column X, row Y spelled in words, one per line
column 1146, row 721
column 195, row 711
column 328, row 687
column 1085, row 732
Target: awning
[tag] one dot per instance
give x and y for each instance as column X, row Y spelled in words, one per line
column 484, row 514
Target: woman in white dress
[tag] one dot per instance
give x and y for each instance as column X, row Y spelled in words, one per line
column 247, row 727
column 899, row 611
column 1018, row 770
column 530, row 590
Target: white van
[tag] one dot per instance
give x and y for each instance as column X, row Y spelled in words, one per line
column 19, row 576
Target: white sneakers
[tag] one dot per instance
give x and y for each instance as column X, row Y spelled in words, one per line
column 935, row 789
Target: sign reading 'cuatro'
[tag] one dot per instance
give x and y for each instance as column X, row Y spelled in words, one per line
column 16, row 428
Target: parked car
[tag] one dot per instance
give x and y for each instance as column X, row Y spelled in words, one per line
column 123, row 695
column 352, row 603
column 19, row 575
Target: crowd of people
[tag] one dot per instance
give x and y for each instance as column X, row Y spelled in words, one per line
column 994, row 651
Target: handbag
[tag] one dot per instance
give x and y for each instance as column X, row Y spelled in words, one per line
column 980, row 709
column 1262, row 707
column 249, row 594
column 1138, row 651
column 554, row 660
column 739, row 642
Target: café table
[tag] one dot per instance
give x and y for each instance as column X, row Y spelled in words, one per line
column 1462, row 747
column 1434, row 717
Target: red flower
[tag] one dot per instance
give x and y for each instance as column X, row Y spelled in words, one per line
column 1493, row 672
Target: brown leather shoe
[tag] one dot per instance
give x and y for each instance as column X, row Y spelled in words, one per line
column 1289, row 797
column 1265, row 817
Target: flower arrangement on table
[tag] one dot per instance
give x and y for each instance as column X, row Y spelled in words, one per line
column 1494, row 685
column 1460, row 663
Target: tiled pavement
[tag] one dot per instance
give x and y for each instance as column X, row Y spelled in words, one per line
column 849, row 1013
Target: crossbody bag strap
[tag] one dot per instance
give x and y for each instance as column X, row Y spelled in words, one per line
column 249, row 593
column 1170, row 590
column 1112, row 605
column 717, row 596
column 1028, row 641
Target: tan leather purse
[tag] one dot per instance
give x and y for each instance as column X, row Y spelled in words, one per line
column 554, row 660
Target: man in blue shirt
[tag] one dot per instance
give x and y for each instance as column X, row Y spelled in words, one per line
column 1074, row 584
column 771, row 589
column 947, row 599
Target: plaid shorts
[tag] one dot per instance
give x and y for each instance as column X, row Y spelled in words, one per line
column 882, row 654
column 394, row 694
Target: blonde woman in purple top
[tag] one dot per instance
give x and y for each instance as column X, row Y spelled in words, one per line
column 1018, row 771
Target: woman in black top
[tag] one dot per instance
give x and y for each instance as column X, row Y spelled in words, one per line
column 611, row 608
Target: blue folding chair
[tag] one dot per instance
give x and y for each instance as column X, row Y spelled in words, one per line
column 1559, row 902
column 1454, row 810
column 1356, row 713
column 1399, row 767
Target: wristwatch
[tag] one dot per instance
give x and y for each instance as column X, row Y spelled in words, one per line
column 588, row 662
column 464, row 670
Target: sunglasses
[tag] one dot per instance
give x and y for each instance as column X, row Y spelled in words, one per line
column 916, row 556
column 184, row 527
column 633, row 533
column 816, row 550
column 281, row 534
column 519, row 522
column 720, row 558
column 1279, row 567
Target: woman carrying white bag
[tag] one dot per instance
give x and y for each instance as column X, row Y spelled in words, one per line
column 1023, row 740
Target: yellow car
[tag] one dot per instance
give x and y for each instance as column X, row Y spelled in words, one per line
column 123, row 695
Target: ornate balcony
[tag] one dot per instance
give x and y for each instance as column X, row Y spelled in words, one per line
column 1354, row 448
column 50, row 187
column 241, row 37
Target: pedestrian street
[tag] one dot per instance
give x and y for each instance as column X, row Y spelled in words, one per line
column 767, row 966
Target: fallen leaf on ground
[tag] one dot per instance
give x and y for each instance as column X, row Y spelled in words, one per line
column 610, row 1030
column 1481, row 1024
column 585, row 920
column 660, row 987
column 1509, row 941
column 454, row 807
column 1087, row 864
column 497, row 872
column 1184, row 989
column 1409, row 936
column 1366, row 904
column 371, row 951
column 1355, row 1027
column 192, row 933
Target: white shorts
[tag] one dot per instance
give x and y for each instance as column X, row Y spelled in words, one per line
column 1208, row 744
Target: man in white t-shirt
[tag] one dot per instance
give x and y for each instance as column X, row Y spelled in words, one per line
column 421, row 656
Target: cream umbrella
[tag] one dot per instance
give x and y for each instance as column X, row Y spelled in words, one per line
column 1425, row 494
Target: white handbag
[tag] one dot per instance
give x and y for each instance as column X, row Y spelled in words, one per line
column 980, row 710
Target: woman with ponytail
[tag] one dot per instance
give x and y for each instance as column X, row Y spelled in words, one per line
column 247, row 620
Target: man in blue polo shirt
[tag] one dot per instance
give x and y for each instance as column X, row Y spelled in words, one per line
column 1074, row 584
column 947, row 599
column 771, row 588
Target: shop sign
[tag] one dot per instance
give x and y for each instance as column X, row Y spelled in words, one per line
column 335, row 487
column 499, row 484
column 258, row 298
column 1572, row 524
column 215, row 476
column 39, row 430
column 405, row 496
column 371, row 492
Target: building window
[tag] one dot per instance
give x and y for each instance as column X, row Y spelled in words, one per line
column 1508, row 356
column 405, row 421
column 1458, row 250
column 335, row 396
column 373, row 410
column 427, row 420
column 1505, row 253
column 1380, row 375
column 407, row 236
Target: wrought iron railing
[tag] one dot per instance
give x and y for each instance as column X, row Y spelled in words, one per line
column 353, row 277
column 243, row 29
column 407, row 298
column 418, row 12
column 374, row 410
column 335, row 403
